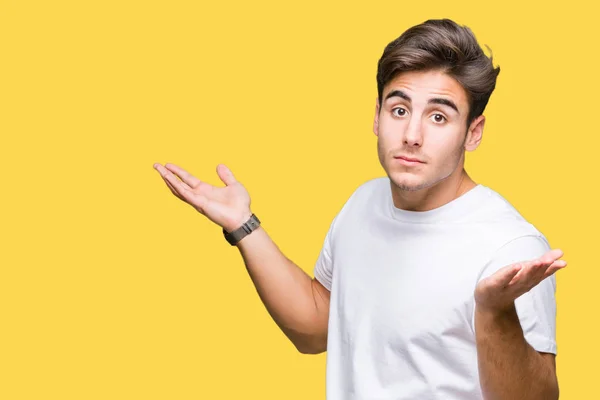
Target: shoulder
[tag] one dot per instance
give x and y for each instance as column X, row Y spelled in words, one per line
column 513, row 238
column 361, row 200
column 502, row 233
column 497, row 206
column 503, row 217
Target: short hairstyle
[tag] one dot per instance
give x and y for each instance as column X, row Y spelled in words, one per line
column 441, row 44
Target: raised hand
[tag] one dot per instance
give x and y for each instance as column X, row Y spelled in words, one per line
column 498, row 292
column 228, row 207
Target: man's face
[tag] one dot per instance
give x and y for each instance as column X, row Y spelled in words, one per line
column 423, row 117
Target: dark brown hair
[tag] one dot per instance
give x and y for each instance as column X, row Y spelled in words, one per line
column 441, row 44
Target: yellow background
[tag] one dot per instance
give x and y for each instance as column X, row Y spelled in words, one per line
column 111, row 288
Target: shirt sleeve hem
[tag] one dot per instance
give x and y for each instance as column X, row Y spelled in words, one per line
column 541, row 343
column 322, row 280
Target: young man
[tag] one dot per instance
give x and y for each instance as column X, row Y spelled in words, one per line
column 429, row 285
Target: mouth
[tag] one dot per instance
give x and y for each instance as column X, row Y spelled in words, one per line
column 408, row 160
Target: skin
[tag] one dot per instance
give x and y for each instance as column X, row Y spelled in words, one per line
column 428, row 128
column 433, row 133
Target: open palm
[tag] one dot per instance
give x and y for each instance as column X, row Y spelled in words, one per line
column 228, row 207
column 499, row 291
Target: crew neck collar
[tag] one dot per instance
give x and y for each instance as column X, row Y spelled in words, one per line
column 447, row 212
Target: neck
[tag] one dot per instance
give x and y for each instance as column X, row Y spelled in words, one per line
column 443, row 192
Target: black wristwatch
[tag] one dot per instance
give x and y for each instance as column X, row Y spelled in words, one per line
column 234, row 237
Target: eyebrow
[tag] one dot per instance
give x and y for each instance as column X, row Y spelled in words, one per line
column 435, row 100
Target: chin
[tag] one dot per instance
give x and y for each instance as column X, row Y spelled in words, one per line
column 408, row 182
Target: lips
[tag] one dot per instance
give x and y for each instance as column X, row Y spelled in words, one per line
column 408, row 159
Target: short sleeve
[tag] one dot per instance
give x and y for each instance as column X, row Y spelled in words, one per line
column 323, row 269
column 324, row 266
column 537, row 308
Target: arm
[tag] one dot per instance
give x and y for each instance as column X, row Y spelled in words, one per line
column 514, row 324
column 298, row 304
column 509, row 368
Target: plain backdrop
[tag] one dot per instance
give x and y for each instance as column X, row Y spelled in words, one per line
column 112, row 288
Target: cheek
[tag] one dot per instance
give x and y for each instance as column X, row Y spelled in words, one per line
column 389, row 127
column 446, row 152
column 381, row 148
column 389, row 138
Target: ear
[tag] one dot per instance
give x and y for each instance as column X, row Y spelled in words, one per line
column 475, row 133
column 376, row 120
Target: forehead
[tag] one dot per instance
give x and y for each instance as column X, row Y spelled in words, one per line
column 422, row 85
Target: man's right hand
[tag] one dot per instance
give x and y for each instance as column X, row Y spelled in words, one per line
column 228, row 207
column 298, row 304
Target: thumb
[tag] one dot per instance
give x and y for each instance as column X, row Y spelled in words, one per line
column 225, row 174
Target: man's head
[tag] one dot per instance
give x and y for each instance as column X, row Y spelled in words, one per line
column 433, row 84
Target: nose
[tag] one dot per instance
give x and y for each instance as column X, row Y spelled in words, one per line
column 412, row 135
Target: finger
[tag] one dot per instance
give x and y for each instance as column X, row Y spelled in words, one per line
column 534, row 270
column 557, row 265
column 196, row 200
column 508, row 274
column 551, row 260
column 180, row 187
column 225, row 174
column 539, row 272
column 541, row 265
column 182, row 190
column 172, row 189
column 185, row 176
column 551, row 256
column 167, row 174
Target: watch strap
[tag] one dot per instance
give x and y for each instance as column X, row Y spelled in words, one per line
column 247, row 227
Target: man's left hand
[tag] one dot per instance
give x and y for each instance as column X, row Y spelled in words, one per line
column 498, row 292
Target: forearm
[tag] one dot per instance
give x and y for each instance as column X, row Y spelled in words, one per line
column 509, row 368
column 286, row 291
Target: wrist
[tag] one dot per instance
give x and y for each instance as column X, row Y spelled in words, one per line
column 494, row 312
column 237, row 222
column 246, row 228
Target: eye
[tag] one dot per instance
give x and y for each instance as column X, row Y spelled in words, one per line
column 401, row 114
column 438, row 118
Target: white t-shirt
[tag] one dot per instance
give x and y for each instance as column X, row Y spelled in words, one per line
column 401, row 322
